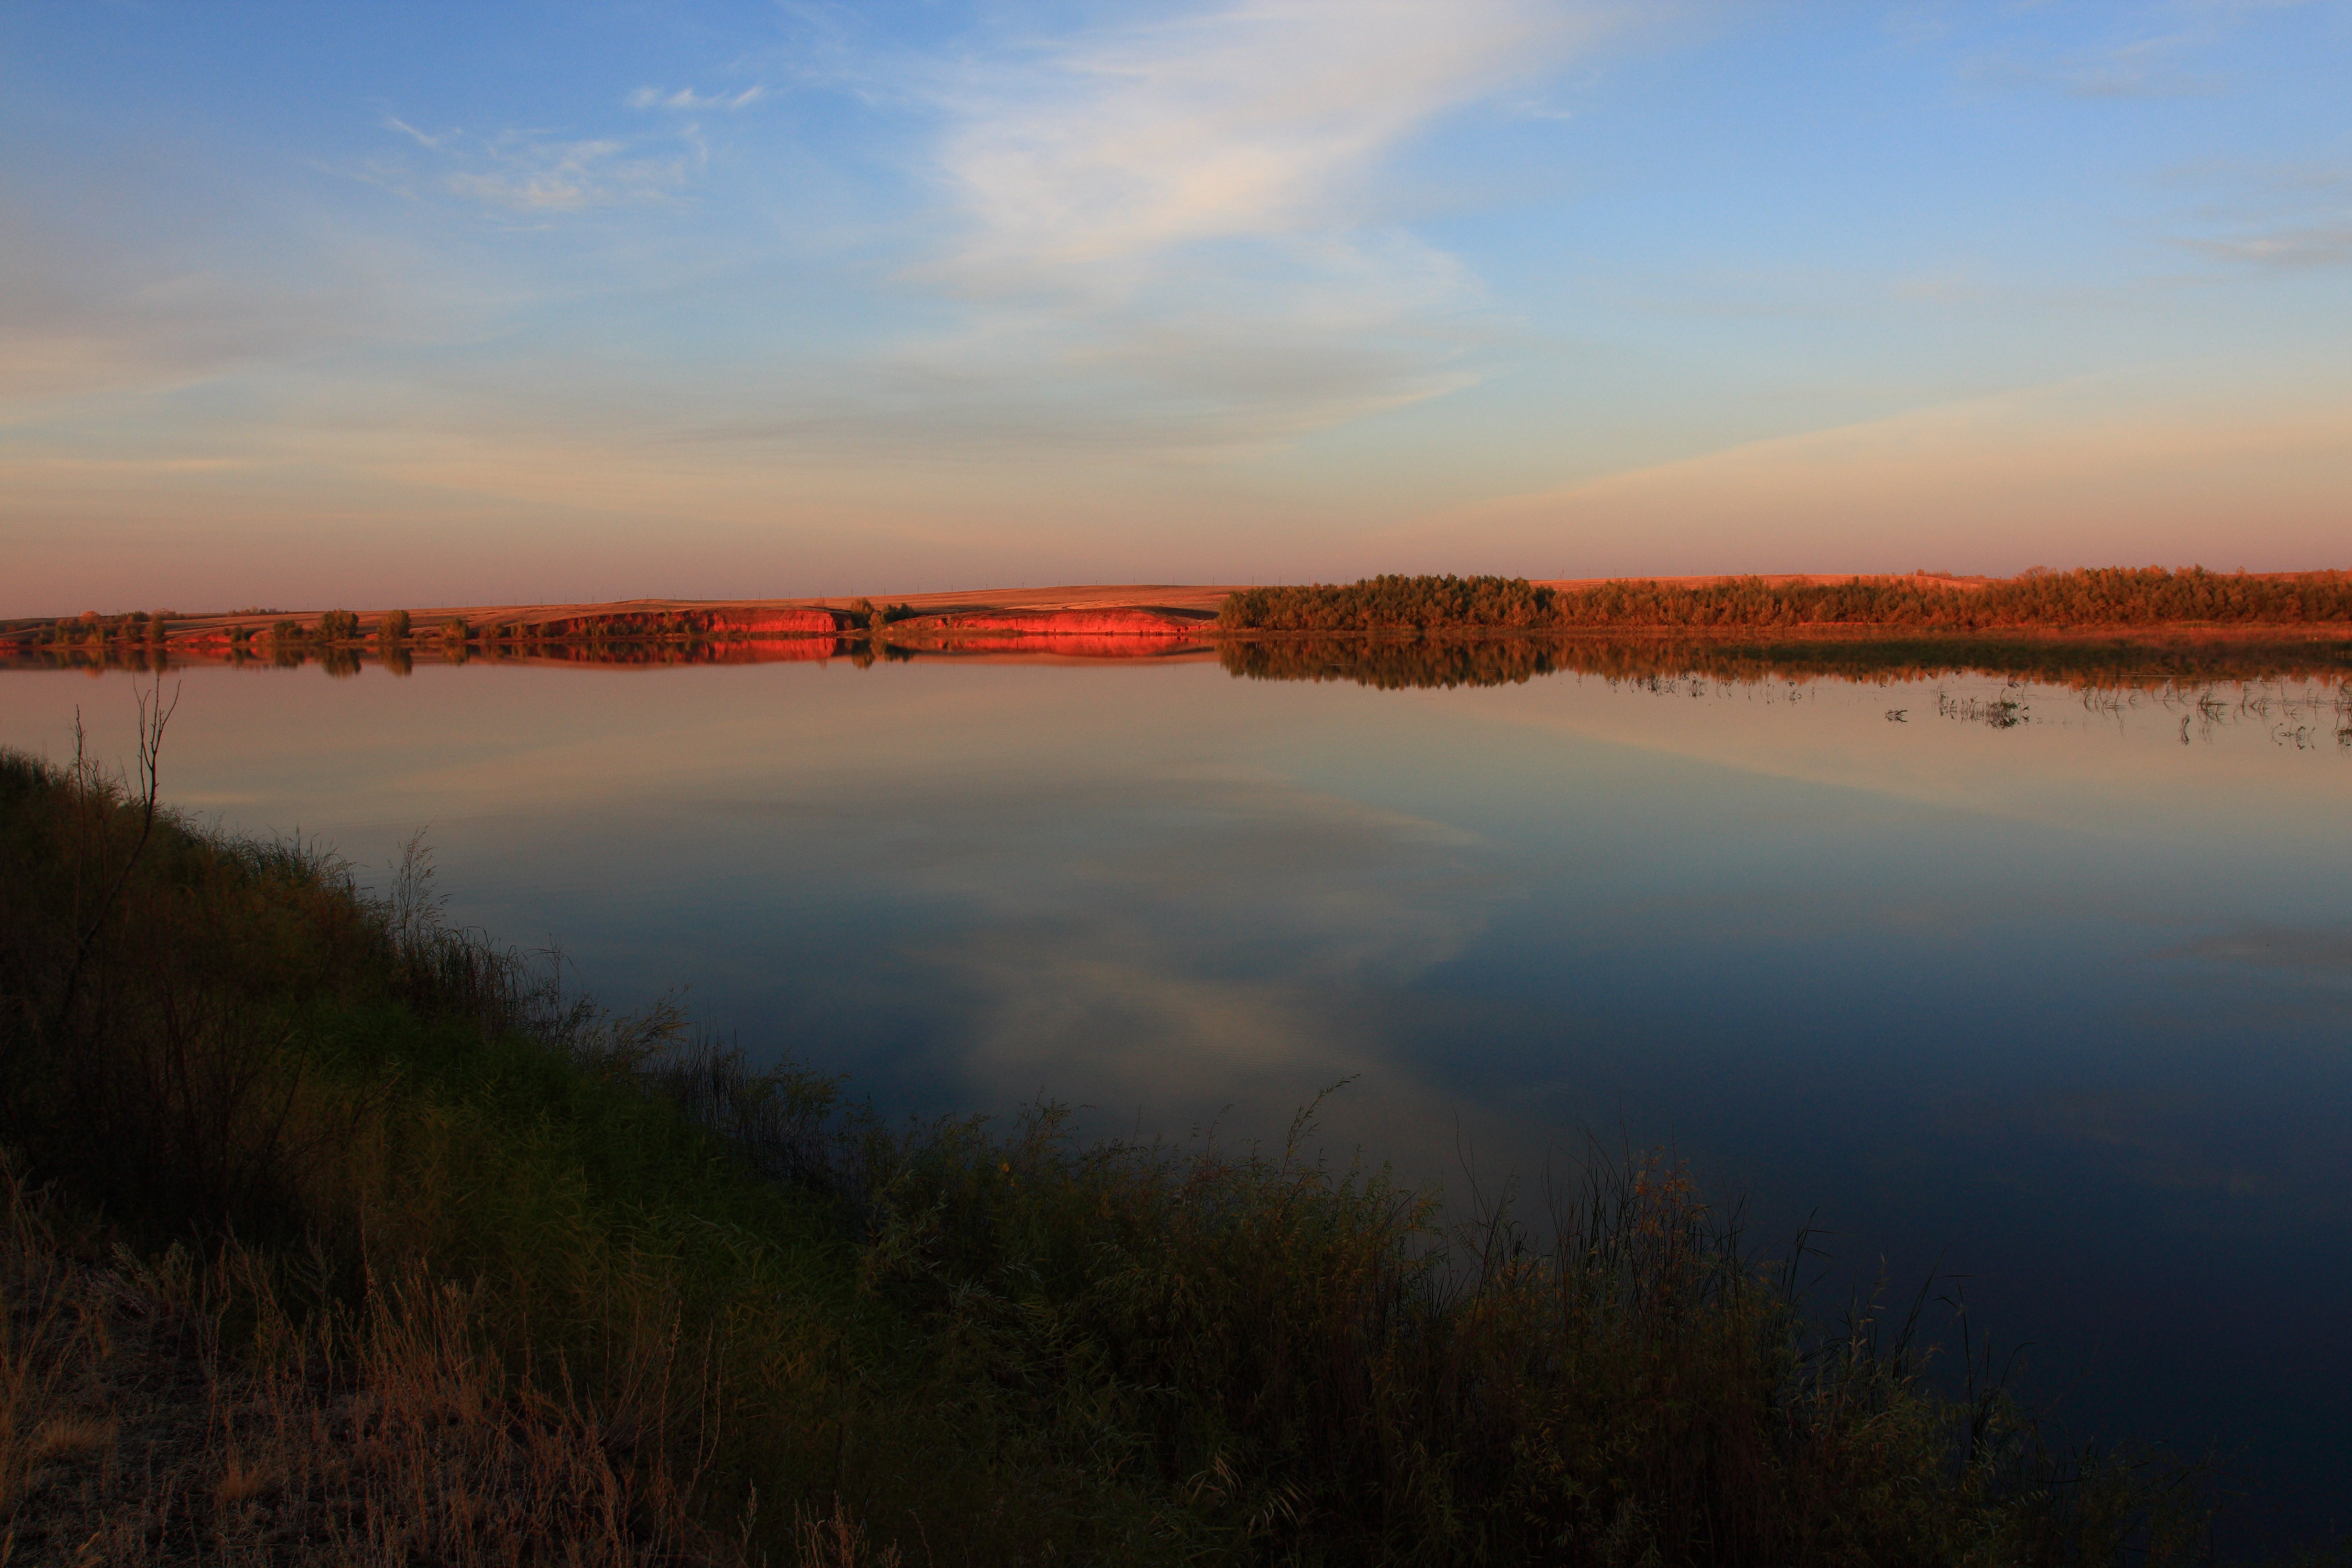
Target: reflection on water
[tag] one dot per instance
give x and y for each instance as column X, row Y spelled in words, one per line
column 2040, row 971
column 1398, row 663
column 2139, row 664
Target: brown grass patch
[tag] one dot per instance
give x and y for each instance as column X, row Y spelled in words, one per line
column 127, row 1436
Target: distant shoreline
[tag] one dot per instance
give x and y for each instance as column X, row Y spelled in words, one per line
column 2151, row 607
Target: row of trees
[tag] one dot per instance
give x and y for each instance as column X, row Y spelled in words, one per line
column 2108, row 597
column 1394, row 603
column 870, row 616
column 90, row 627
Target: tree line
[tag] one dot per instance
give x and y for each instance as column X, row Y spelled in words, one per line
column 2097, row 597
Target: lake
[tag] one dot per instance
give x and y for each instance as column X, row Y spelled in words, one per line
column 2040, row 990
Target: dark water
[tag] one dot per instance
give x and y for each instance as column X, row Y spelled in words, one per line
column 2048, row 988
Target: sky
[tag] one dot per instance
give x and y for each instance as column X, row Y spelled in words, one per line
column 381, row 304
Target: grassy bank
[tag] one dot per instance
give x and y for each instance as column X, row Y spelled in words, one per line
column 2098, row 598
column 333, row 1235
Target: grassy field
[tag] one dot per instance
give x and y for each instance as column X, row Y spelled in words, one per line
column 336, row 1235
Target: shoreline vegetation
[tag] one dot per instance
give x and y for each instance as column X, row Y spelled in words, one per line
column 336, row 1235
column 2306, row 614
column 2105, row 599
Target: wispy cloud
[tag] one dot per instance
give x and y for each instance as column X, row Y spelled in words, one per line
column 687, row 99
column 539, row 172
column 2116, row 463
column 2142, row 68
column 75, row 321
column 1261, row 121
column 2289, row 219
column 2293, row 247
column 420, row 138
column 526, row 173
column 1188, row 213
column 2187, row 60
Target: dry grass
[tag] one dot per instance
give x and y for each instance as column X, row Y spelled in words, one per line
column 129, row 1436
column 836, row 1541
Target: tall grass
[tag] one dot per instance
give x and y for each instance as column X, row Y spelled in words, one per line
column 489, row 1273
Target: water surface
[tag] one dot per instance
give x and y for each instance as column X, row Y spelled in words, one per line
column 2047, row 988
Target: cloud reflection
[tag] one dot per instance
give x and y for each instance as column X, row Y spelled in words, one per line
column 1196, row 950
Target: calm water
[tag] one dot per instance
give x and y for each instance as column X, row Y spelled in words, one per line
column 2056, row 997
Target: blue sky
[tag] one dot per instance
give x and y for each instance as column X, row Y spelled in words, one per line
column 420, row 303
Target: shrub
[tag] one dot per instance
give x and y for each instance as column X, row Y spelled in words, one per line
column 393, row 628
